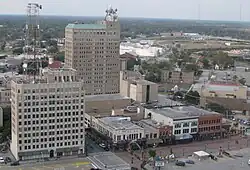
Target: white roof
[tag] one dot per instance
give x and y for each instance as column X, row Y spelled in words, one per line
column 201, row 153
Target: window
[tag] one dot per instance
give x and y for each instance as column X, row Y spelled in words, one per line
column 185, row 131
column 194, row 124
column 193, row 130
column 178, row 125
column 186, row 124
column 176, row 132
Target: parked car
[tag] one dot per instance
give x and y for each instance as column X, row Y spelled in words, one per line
column 2, row 160
column 15, row 163
column 102, row 145
column 180, row 163
column 189, row 161
column 7, row 159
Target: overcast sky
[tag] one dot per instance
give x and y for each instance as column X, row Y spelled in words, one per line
column 176, row 9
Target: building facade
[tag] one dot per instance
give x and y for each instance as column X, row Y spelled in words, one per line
column 133, row 85
column 210, row 126
column 177, row 76
column 47, row 115
column 93, row 50
column 181, row 121
column 118, row 128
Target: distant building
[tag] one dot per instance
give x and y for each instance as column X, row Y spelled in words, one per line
column 224, row 90
column 133, row 85
column 93, row 50
column 177, row 77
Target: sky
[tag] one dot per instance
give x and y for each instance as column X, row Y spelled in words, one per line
column 228, row 10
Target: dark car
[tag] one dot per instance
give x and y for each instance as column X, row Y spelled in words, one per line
column 189, row 161
column 180, row 163
column 7, row 159
column 15, row 163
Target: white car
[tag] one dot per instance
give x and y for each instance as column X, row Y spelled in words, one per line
column 102, row 145
column 2, row 160
column 248, row 162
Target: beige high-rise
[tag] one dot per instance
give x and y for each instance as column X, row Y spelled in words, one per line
column 93, row 50
column 47, row 115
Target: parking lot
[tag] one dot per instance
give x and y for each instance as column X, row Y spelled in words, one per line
column 224, row 163
column 105, row 160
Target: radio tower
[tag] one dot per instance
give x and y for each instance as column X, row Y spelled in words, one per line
column 32, row 40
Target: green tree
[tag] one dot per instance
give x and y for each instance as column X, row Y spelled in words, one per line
column 242, row 81
column 222, row 59
column 192, row 97
column 217, row 108
column 205, row 63
column 152, row 153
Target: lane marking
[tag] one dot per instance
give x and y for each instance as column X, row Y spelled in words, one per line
column 81, row 163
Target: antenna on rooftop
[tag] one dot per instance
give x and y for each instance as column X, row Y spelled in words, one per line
column 240, row 11
column 199, row 11
column 32, row 38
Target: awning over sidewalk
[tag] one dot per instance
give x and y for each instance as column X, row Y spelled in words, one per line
column 184, row 137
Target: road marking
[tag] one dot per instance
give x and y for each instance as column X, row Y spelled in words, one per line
column 81, row 163
column 35, row 168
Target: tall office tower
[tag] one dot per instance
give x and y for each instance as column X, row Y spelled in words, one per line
column 93, row 50
column 47, row 115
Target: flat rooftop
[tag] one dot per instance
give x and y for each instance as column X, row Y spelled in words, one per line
column 108, row 160
column 182, row 112
column 86, row 26
column 103, row 97
column 119, row 123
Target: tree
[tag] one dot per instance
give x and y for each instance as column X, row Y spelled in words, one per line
column 192, row 97
column 217, row 108
column 205, row 63
column 152, row 153
column 222, row 59
column 17, row 51
column 242, row 81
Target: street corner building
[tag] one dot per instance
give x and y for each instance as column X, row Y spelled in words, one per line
column 47, row 113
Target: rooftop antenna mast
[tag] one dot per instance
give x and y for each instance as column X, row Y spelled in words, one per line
column 32, row 30
column 240, row 11
column 199, row 11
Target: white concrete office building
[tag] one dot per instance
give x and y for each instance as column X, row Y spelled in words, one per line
column 47, row 115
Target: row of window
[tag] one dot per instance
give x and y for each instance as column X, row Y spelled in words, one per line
column 193, row 130
column 61, row 138
column 61, row 126
column 44, row 115
column 185, row 124
column 28, row 147
column 37, row 103
column 45, row 109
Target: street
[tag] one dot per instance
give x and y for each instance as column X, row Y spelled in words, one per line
column 183, row 150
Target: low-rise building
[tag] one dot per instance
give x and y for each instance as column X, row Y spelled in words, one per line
column 118, row 128
column 182, row 122
column 188, row 120
column 133, row 85
column 104, row 103
column 224, row 90
column 162, row 130
column 230, row 96
column 177, row 76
